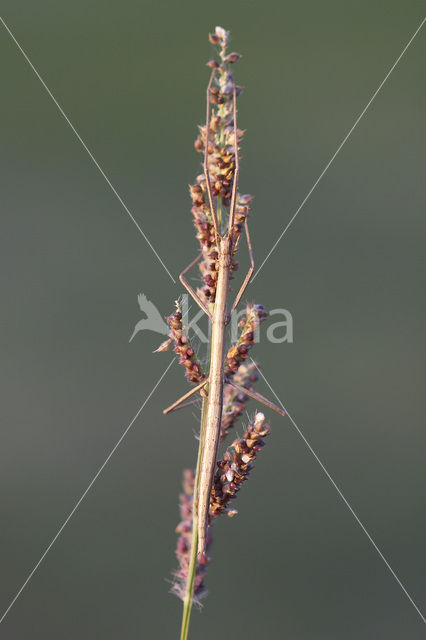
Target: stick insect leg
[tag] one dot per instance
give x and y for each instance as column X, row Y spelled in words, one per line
column 187, row 404
column 258, row 397
column 249, row 272
column 236, row 168
column 206, row 168
column 185, row 396
column 191, row 290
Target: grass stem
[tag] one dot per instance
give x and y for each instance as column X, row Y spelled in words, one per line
column 189, row 594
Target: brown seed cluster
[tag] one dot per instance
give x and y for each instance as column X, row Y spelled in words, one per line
column 188, row 359
column 183, row 547
column 236, row 465
column 255, row 314
column 234, row 402
column 221, row 147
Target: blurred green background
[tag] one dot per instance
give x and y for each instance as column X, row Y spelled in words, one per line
column 130, row 75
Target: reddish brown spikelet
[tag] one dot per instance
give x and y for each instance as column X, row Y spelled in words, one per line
column 233, row 57
column 183, row 546
column 236, row 465
column 255, row 314
column 234, row 402
column 188, row 359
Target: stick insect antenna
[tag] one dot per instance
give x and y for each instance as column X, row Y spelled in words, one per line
column 236, row 168
column 206, row 168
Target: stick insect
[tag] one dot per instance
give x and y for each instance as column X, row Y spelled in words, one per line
column 213, row 384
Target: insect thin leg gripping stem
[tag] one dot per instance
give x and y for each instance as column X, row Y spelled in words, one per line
column 187, row 395
column 190, row 289
column 249, row 272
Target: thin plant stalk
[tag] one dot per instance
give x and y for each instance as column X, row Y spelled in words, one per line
column 189, row 593
column 215, row 193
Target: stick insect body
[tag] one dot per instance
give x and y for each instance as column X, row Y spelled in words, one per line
column 219, row 318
